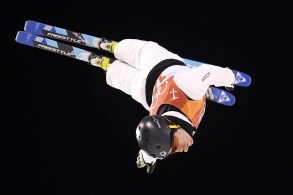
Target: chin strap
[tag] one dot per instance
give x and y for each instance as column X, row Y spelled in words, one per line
column 145, row 160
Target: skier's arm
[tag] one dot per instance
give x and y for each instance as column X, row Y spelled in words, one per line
column 195, row 82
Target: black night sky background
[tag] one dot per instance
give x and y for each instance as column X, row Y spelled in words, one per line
column 65, row 131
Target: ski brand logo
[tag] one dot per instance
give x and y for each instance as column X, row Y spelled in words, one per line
column 52, row 49
column 163, row 153
column 156, row 121
column 239, row 78
column 48, row 28
column 39, row 39
column 223, row 97
column 65, row 38
column 205, row 76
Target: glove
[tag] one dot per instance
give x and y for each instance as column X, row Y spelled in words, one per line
column 145, row 160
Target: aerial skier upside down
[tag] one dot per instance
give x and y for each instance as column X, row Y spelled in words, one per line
column 173, row 93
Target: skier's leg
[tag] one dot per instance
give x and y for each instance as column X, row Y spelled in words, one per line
column 194, row 83
column 121, row 76
column 128, row 79
column 143, row 55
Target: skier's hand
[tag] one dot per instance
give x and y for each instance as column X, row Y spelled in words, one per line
column 182, row 141
column 144, row 160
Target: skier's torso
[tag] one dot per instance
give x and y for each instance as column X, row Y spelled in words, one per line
column 166, row 92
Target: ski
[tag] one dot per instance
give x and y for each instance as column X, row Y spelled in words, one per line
column 56, row 47
column 62, row 34
column 213, row 94
column 220, row 96
column 242, row 79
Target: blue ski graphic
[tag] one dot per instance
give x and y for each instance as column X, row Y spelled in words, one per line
column 61, row 34
column 52, row 46
column 242, row 79
column 220, row 96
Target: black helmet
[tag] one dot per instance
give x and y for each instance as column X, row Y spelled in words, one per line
column 153, row 135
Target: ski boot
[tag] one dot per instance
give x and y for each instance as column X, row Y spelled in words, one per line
column 100, row 61
column 107, row 45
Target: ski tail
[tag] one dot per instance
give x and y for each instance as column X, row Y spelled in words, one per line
column 61, row 34
column 220, row 96
column 59, row 48
column 242, row 79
